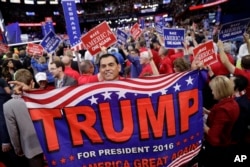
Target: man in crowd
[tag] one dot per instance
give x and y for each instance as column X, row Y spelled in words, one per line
column 61, row 79
column 20, row 127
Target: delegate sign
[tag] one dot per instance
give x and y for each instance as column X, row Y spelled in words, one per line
column 135, row 31
column 233, row 29
column 156, row 122
column 100, row 35
column 50, row 42
column 173, row 38
column 121, row 37
column 34, row 49
column 206, row 53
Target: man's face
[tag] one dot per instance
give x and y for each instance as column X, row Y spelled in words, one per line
column 54, row 70
column 109, row 69
column 42, row 84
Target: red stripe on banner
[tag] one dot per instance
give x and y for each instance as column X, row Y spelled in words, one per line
column 185, row 158
column 197, row 7
column 153, row 86
column 78, row 47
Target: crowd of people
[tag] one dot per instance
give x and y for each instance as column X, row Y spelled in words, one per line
column 225, row 97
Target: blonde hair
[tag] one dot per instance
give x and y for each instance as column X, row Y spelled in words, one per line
column 56, row 58
column 181, row 64
column 42, row 60
column 15, row 56
column 222, row 86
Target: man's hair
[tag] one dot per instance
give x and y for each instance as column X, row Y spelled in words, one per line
column 23, row 75
column 108, row 55
column 245, row 62
column 142, row 43
column 135, row 50
column 85, row 66
column 240, row 83
column 58, row 64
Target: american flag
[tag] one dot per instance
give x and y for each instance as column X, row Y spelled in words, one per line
column 78, row 47
column 184, row 146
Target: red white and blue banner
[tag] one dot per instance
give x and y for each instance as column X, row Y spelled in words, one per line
column 72, row 22
column 154, row 121
column 173, row 38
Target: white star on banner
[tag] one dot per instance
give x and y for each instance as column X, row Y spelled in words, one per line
column 189, row 80
column 177, row 87
column 163, row 91
column 150, row 94
column 121, row 94
column 93, row 100
column 106, row 95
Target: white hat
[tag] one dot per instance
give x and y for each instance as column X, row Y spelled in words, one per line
column 40, row 76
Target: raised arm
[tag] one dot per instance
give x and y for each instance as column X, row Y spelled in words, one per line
column 224, row 59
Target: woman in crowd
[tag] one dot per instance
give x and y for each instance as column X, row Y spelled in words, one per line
column 8, row 70
column 220, row 121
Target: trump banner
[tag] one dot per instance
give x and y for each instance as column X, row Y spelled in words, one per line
column 149, row 122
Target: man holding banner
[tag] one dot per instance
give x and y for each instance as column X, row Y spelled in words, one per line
column 21, row 130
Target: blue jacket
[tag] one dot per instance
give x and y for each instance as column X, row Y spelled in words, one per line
column 38, row 67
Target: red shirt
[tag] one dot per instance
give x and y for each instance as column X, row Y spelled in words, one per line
column 146, row 70
column 176, row 55
column 218, row 68
column 166, row 66
column 156, row 58
column 220, row 121
column 72, row 73
column 85, row 78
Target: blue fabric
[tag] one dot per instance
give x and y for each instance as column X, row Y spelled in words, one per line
column 135, row 67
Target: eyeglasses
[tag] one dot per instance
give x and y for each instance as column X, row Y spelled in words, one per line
column 52, row 69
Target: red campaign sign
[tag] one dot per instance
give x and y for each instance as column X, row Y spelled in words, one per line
column 4, row 48
column 135, row 31
column 206, row 53
column 100, row 35
column 34, row 49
